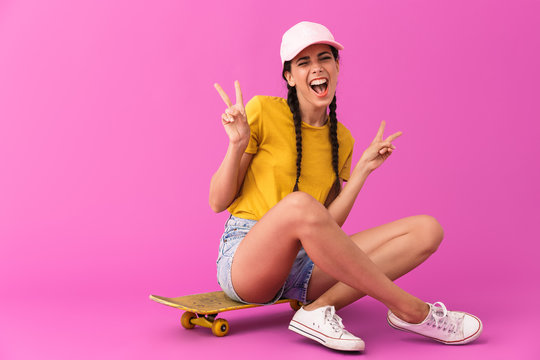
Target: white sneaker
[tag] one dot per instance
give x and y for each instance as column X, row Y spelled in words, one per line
column 324, row 326
column 449, row 327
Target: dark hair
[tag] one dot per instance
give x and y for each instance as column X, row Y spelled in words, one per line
column 292, row 100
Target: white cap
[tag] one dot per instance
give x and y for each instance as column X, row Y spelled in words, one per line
column 302, row 35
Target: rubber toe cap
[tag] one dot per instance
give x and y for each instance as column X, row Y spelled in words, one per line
column 471, row 325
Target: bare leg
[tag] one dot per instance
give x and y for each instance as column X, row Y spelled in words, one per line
column 264, row 258
column 396, row 248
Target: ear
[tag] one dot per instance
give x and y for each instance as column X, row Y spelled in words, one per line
column 290, row 79
column 337, row 65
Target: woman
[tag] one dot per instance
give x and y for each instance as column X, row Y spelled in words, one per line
column 281, row 180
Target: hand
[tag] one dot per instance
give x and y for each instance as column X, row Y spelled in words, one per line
column 378, row 151
column 234, row 118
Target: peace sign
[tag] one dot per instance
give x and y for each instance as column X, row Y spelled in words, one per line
column 234, row 118
column 379, row 150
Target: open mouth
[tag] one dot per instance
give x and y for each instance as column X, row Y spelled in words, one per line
column 319, row 86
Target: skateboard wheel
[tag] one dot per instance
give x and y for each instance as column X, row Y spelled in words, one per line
column 220, row 327
column 296, row 305
column 186, row 320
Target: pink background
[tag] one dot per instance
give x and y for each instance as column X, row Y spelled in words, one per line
column 110, row 133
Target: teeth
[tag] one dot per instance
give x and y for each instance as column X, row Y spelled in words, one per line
column 318, row 82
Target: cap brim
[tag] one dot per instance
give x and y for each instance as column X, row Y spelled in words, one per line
column 298, row 51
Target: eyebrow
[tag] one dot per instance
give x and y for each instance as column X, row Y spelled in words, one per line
column 307, row 57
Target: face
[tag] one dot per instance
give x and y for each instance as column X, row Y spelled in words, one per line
column 314, row 72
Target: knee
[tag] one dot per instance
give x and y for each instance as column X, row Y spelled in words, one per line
column 304, row 209
column 431, row 233
column 299, row 201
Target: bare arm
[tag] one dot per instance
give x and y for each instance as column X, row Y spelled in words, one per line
column 227, row 180
column 341, row 206
column 377, row 152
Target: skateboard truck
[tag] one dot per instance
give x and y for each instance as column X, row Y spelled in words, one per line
column 202, row 309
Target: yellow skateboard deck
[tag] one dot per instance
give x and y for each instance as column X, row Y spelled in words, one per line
column 202, row 309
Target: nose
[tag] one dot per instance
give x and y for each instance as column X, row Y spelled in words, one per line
column 317, row 68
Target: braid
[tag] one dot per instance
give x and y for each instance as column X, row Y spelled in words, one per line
column 292, row 100
column 335, row 143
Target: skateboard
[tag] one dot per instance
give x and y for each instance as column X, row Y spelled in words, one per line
column 202, row 309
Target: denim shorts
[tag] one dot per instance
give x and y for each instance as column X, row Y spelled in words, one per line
column 295, row 287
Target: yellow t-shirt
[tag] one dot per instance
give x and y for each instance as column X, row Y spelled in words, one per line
column 271, row 174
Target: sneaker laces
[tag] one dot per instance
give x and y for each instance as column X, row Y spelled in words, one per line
column 444, row 320
column 333, row 319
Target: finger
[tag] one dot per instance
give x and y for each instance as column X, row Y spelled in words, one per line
column 239, row 98
column 223, row 95
column 386, row 144
column 232, row 111
column 381, row 130
column 394, row 136
column 237, row 110
column 227, row 118
column 386, row 147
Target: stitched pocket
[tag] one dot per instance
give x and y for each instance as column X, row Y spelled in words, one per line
column 230, row 241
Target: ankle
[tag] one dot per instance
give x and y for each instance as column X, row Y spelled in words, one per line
column 414, row 315
column 314, row 305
